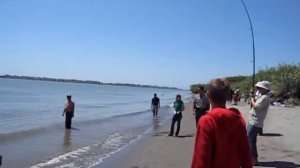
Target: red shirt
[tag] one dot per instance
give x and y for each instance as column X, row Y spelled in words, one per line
column 221, row 141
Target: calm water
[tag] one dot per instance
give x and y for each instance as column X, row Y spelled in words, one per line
column 106, row 119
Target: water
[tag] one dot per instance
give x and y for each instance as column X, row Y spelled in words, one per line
column 106, row 119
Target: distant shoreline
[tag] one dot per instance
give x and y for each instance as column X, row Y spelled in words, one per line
column 82, row 81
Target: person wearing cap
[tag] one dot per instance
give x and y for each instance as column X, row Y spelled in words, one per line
column 258, row 113
column 69, row 110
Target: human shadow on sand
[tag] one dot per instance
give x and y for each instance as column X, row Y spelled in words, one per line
column 271, row 134
column 75, row 129
column 279, row 164
column 186, row 136
column 165, row 133
column 162, row 133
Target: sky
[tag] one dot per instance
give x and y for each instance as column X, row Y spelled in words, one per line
column 156, row 42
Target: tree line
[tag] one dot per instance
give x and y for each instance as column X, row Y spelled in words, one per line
column 284, row 78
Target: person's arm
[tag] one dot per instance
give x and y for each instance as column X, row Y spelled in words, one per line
column 257, row 104
column 73, row 109
column 174, row 109
column 151, row 103
column 194, row 104
column 65, row 109
column 182, row 108
column 204, row 143
column 252, row 102
column 205, row 105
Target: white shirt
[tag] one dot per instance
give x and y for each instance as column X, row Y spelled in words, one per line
column 259, row 112
column 201, row 102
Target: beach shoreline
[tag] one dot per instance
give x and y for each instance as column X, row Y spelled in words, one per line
column 157, row 149
column 277, row 148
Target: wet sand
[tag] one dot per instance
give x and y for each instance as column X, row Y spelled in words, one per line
column 157, row 149
column 278, row 148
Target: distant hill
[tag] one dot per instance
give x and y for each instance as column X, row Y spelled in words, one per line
column 82, row 81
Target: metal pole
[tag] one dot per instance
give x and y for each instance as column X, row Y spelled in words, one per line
column 253, row 46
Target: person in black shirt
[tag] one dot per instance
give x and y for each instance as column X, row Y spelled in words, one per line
column 155, row 104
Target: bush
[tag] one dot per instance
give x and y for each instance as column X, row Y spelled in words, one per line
column 285, row 78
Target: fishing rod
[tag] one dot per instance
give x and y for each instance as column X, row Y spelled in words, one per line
column 253, row 44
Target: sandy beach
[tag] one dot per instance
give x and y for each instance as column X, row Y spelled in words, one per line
column 278, row 148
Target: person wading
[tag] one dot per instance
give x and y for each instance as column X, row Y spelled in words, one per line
column 155, row 104
column 69, row 111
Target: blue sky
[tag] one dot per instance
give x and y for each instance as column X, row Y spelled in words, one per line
column 157, row 42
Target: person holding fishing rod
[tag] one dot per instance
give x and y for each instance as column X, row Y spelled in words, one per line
column 258, row 112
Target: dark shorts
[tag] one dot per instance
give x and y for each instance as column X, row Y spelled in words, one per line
column 198, row 114
column 155, row 107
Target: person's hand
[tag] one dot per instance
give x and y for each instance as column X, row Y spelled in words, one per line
column 252, row 102
column 252, row 99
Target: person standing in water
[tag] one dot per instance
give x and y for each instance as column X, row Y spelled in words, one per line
column 69, row 110
column 177, row 116
column 155, row 104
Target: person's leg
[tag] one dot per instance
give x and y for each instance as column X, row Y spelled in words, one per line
column 197, row 117
column 178, row 124
column 252, row 132
column 156, row 110
column 260, row 131
column 202, row 113
column 234, row 99
column 153, row 111
column 172, row 125
column 68, row 121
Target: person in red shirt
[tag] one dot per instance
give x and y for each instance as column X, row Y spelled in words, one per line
column 221, row 140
